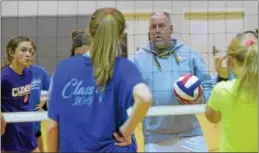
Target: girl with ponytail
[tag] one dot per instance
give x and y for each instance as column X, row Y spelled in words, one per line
column 235, row 102
column 88, row 104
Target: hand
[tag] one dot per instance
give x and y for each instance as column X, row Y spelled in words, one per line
column 39, row 107
column 221, row 66
column 122, row 138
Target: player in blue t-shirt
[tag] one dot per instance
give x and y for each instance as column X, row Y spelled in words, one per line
column 40, row 83
column 80, row 42
column 88, row 104
column 15, row 95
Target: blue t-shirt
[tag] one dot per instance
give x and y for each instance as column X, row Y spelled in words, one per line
column 87, row 118
column 15, row 97
column 40, row 81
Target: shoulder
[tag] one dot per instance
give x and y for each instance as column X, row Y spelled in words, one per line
column 141, row 53
column 5, row 73
column 185, row 49
column 74, row 61
column 126, row 72
column 70, row 65
column 192, row 55
column 123, row 65
column 193, row 52
column 224, row 87
column 38, row 67
column 27, row 72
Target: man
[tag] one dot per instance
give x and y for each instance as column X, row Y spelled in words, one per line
column 162, row 61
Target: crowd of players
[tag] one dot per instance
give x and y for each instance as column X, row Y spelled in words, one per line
column 90, row 92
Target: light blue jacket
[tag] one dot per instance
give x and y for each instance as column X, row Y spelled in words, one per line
column 158, row 129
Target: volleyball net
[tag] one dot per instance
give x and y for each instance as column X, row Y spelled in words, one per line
column 198, row 24
column 153, row 111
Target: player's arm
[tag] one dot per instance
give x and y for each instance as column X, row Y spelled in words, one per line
column 53, row 136
column 203, row 74
column 223, row 73
column 138, row 131
column 142, row 102
column 3, row 124
column 213, row 108
column 212, row 115
column 53, row 114
column 46, row 80
column 140, row 97
column 45, row 87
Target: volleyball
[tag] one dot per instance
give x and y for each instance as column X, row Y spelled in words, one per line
column 187, row 88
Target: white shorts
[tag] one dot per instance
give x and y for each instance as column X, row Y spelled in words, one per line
column 190, row 144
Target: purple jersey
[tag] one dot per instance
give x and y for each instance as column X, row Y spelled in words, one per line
column 15, row 97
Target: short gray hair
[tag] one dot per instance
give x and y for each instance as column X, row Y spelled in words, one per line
column 168, row 16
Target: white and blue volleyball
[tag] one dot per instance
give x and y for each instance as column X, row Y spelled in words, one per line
column 188, row 88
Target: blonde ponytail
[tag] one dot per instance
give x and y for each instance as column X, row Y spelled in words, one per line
column 249, row 72
column 106, row 28
column 244, row 50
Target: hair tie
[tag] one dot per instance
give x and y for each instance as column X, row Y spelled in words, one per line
column 108, row 11
column 250, row 42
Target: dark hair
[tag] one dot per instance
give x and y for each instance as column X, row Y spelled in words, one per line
column 124, row 46
column 12, row 45
column 106, row 28
column 79, row 38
